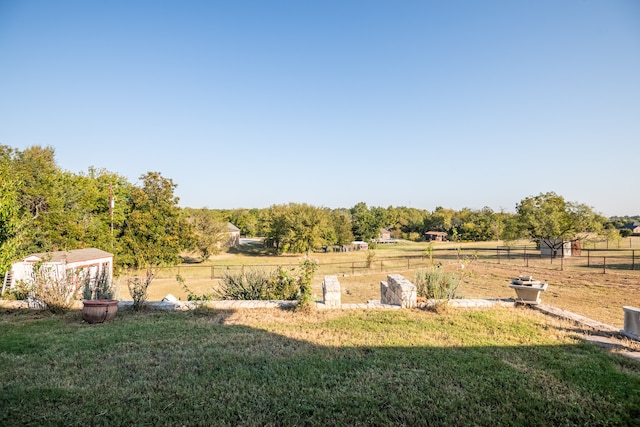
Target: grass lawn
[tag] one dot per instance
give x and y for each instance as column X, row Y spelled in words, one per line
column 273, row 367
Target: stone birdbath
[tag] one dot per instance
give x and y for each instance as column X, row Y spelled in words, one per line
column 527, row 289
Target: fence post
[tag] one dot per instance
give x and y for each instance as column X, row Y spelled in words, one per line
column 562, row 263
column 527, row 260
column 353, row 268
column 588, row 258
column 633, row 260
column 498, row 253
column 604, row 265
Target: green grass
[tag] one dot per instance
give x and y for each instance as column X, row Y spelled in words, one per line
column 271, row 367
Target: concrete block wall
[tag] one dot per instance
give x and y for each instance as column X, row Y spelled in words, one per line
column 398, row 291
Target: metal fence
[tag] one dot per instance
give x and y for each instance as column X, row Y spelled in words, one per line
column 599, row 260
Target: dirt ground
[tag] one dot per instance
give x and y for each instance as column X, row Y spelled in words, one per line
column 593, row 294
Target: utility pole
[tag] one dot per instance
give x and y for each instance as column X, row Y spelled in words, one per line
column 111, row 206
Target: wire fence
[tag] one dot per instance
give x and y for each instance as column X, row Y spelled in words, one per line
column 596, row 260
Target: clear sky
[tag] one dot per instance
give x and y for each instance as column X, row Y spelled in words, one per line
column 404, row 103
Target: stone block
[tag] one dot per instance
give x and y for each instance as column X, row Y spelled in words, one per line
column 398, row 291
column 632, row 321
column 331, row 291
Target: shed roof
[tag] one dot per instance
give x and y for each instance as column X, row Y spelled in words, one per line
column 75, row 255
column 232, row 228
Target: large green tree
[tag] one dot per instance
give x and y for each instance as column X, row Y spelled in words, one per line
column 549, row 218
column 155, row 230
column 366, row 223
column 210, row 233
column 11, row 222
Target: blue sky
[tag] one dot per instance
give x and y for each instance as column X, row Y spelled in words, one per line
column 404, row 103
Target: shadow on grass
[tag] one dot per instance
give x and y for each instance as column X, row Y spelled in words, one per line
column 204, row 368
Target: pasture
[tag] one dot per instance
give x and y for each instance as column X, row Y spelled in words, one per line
column 589, row 291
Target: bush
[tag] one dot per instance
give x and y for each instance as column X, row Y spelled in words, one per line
column 435, row 283
column 249, row 285
column 281, row 284
column 53, row 290
column 191, row 296
column 138, row 289
column 101, row 289
column 21, row 290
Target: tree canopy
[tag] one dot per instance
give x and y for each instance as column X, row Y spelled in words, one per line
column 550, row 218
column 43, row 208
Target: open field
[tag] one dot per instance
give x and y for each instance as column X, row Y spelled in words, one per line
column 586, row 291
column 273, row 367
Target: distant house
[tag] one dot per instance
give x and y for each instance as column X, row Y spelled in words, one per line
column 635, row 231
column 384, row 234
column 435, row 236
column 234, row 235
column 385, row 237
column 90, row 262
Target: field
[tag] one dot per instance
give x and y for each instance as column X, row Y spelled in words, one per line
column 592, row 292
column 278, row 368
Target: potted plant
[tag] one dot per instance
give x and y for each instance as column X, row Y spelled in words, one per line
column 98, row 304
column 527, row 289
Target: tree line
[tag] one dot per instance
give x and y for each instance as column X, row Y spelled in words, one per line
column 43, row 208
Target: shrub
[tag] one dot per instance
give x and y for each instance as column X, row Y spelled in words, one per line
column 53, row 290
column 21, row 290
column 101, row 289
column 247, row 285
column 138, row 288
column 281, row 284
column 307, row 269
column 191, row 296
column 435, row 283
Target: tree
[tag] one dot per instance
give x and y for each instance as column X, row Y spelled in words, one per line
column 366, row 223
column 340, row 229
column 295, row 227
column 550, row 219
column 209, row 233
column 246, row 220
column 275, row 226
column 308, row 226
column 155, row 231
column 440, row 220
column 11, row 223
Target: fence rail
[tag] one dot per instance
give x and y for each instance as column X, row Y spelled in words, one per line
column 600, row 260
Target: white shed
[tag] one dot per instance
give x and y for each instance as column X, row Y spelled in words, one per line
column 91, row 260
column 555, row 248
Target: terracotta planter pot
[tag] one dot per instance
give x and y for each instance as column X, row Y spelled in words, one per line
column 99, row 311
